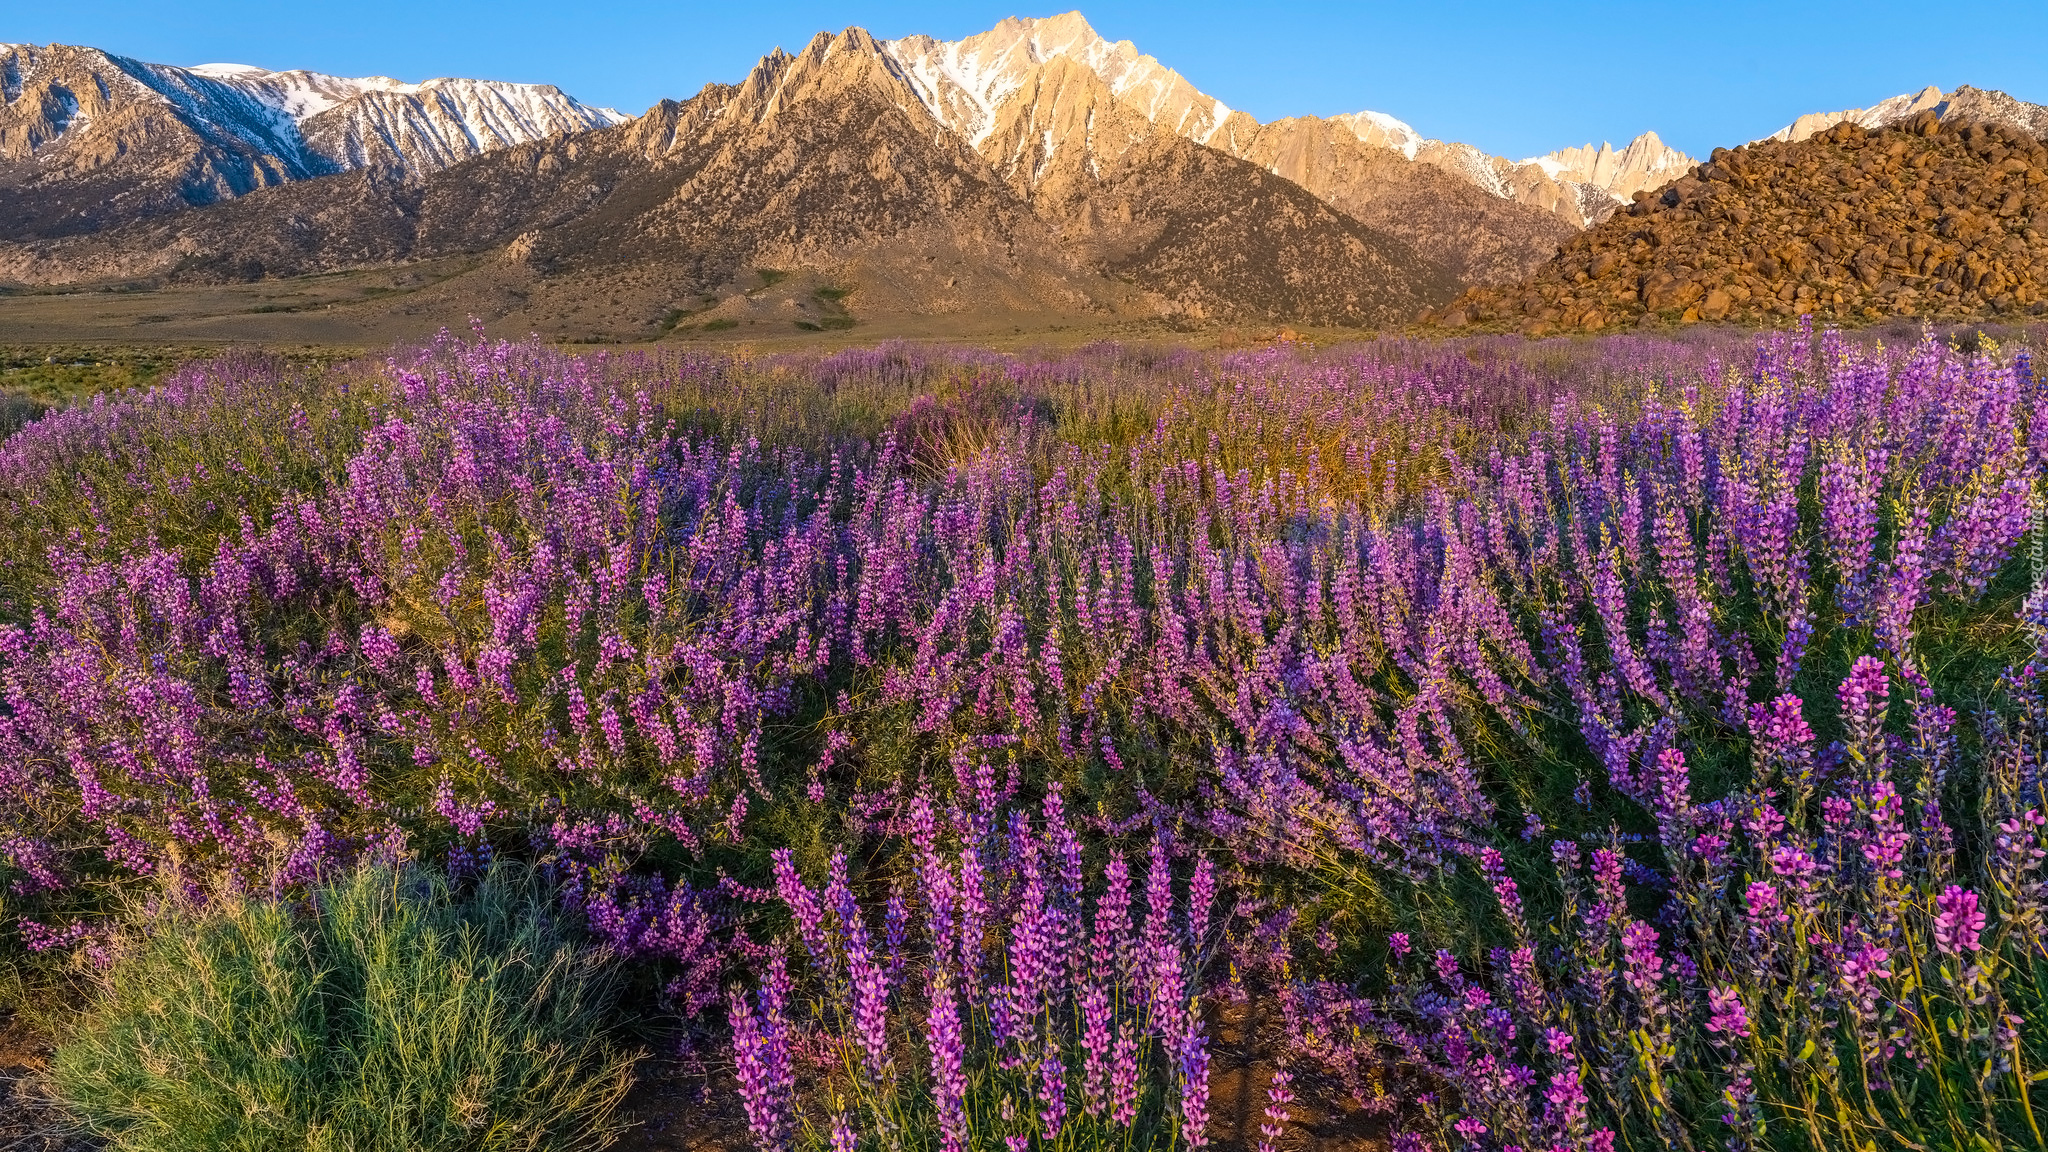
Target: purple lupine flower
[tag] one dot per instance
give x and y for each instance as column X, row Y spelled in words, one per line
column 1161, row 952
column 1565, row 1101
column 1863, row 696
column 1642, row 966
column 1201, row 897
column 1673, row 788
column 870, row 1004
column 947, row 1045
column 974, row 918
column 1279, row 1094
column 1123, row 1075
column 2017, row 856
column 804, row 907
column 1783, row 738
column 1112, row 911
column 1726, row 1015
column 1194, row 1085
column 1095, row 1047
column 1494, row 868
column 1849, row 519
column 753, row 1052
column 1905, row 588
column 1957, row 922
column 1885, row 849
column 895, row 928
column 1052, row 1091
column 1863, row 962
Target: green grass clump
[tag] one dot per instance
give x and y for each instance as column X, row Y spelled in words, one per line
column 388, row 1012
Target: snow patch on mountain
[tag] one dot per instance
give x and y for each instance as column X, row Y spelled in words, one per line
column 298, row 93
column 1383, row 130
column 964, row 82
column 420, row 128
column 961, row 82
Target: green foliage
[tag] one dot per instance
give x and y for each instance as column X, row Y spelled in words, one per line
column 56, row 375
column 388, row 1011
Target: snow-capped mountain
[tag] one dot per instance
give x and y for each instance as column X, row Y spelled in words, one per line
column 155, row 136
column 1643, row 159
column 419, row 128
column 314, row 121
column 972, row 85
column 1642, row 164
column 1061, row 113
column 1964, row 103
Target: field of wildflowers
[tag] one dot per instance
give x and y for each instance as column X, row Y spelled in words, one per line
column 1584, row 745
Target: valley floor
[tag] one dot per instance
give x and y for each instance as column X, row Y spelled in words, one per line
column 363, row 310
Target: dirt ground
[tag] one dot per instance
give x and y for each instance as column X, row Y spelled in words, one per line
column 375, row 308
column 29, row 1121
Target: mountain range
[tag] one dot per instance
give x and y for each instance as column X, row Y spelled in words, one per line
column 1033, row 168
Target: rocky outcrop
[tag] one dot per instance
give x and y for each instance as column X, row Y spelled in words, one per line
column 1930, row 217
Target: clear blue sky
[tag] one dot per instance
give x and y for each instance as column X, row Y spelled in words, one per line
column 1512, row 78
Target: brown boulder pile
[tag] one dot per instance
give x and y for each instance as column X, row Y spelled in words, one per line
column 1946, row 220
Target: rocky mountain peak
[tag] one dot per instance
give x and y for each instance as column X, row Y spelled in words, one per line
column 966, row 82
column 1644, row 162
column 828, row 66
